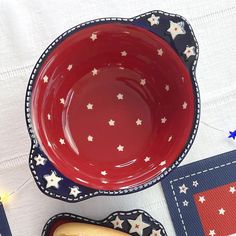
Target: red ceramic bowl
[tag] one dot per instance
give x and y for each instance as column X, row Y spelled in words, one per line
column 113, row 105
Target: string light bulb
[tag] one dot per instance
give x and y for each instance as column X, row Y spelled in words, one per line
column 4, row 198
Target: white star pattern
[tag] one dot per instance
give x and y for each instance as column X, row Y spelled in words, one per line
column 120, row 148
column 221, row 211
column 45, row 79
column 195, row 183
column 74, row 191
column 184, row 105
column 189, row 51
column 93, row 36
column 62, row 100
column 232, row 189
column 103, row 172
column 154, row 20
column 137, row 225
column 49, row 116
column 52, row 180
column 182, row 78
column 162, row 163
column 69, row 67
column 167, row 87
column 94, row 71
column 111, row 122
column 117, row 223
column 146, row 159
column 160, row 52
column 212, row 232
column 176, row 29
column 201, row 199
column 123, row 53
column 183, row 189
column 90, row 138
column 163, row 120
column 170, row 138
column 40, row 160
column 185, row 203
column 120, row 96
column 61, row 141
column 138, row 122
column 156, row 232
column 143, row 82
column 90, row 106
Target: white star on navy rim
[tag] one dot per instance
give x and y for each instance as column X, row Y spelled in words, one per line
column 212, row 232
column 138, row 122
column 167, row 87
column 69, row 67
column 163, row 120
column 143, row 82
column 189, row 51
column 185, row 203
column 103, row 173
column 117, row 222
column 162, row 163
column 94, row 71
column 195, row 183
column 137, row 225
column 45, row 79
column 40, row 160
column 176, row 29
column 90, row 138
column 156, row 232
column 146, row 159
column 90, row 106
column 93, row 36
column 221, row 211
column 74, row 191
column 120, row 148
column 160, row 52
column 123, row 53
column 202, row 199
column 52, row 180
column 153, row 20
column 111, row 122
column 120, row 96
column 61, row 141
column 62, row 100
column 183, row 189
column 49, row 116
column 184, row 105
column 232, row 189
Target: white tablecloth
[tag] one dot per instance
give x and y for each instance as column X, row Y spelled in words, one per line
column 26, row 29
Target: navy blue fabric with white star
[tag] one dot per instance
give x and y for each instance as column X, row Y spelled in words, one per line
column 180, row 186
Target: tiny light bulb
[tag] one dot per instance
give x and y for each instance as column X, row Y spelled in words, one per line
column 4, row 198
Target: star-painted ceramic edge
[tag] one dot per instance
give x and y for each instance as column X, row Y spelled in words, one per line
column 190, row 62
column 120, row 217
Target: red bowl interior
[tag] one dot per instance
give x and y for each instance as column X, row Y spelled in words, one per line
column 112, row 106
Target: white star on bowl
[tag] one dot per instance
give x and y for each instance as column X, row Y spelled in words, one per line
column 185, row 104
column 111, row 122
column 90, row 138
column 147, row 159
column 62, row 100
column 160, row 52
column 143, row 82
column 120, row 96
column 138, row 122
column 120, row 148
column 94, row 71
column 103, row 173
column 69, row 67
column 45, row 79
column 163, row 120
column 123, row 53
column 93, row 36
column 62, row 141
column 89, row 106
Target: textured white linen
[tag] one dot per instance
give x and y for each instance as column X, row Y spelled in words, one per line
column 27, row 27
